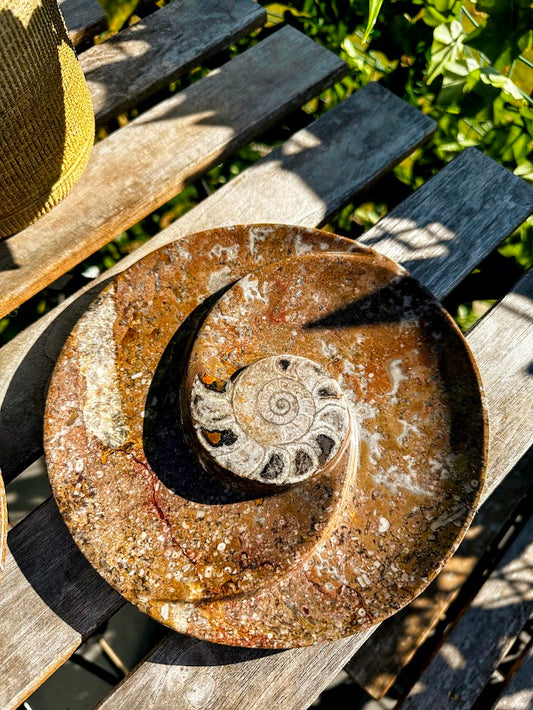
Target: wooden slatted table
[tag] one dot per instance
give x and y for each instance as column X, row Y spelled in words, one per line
column 50, row 598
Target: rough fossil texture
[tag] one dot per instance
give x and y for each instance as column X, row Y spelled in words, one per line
column 266, row 436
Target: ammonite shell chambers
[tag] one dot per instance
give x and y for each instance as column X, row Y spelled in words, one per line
column 281, row 421
column 266, row 436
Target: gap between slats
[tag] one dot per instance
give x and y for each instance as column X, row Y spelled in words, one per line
column 83, row 18
column 464, row 663
column 139, row 60
column 518, row 695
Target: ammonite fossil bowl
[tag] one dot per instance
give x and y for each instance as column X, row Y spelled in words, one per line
column 266, row 436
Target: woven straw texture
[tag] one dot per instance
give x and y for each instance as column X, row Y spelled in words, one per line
column 46, row 114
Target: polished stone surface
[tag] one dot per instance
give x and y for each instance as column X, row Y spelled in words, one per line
column 194, row 537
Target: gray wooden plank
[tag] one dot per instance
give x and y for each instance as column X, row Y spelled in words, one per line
column 191, row 674
column 139, row 167
column 301, row 189
column 352, row 146
column 141, row 59
column 83, row 18
column 518, row 695
column 465, row 662
column 49, row 588
column 423, row 234
column 503, row 348
column 175, row 673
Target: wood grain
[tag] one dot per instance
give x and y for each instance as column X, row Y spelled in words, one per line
column 190, row 674
column 51, row 600
column 503, row 348
column 83, row 18
column 293, row 184
column 141, row 59
column 139, row 167
column 518, row 695
column 176, row 676
column 352, row 146
column 459, row 201
column 465, row 662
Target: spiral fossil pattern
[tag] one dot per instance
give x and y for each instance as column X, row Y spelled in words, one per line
column 371, row 441
column 281, row 420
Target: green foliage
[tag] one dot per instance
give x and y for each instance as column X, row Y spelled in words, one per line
column 118, row 11
column 454, row 60
column 506, row 33
column 374, row 6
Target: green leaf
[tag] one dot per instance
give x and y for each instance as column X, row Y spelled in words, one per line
column 459, row 78
column 446, row 49
column 374, row 6
column 118, row 11
column 506, row 32
column 488, row 75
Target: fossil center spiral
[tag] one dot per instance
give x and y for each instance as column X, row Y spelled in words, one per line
column 281, row 420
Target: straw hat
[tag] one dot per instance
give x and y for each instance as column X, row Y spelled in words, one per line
column 46, row 115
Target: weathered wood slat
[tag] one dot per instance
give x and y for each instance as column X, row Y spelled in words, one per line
column 295, row 184
column 190, row 674
column 353, row 145
column 139, row 167
column 503, row 348
column 518, row 695
column 83, row 18
column 465, row 662
column 179, row 676
column 397, row 639
column 145, row 57
column 423, row 234
column 50, row 589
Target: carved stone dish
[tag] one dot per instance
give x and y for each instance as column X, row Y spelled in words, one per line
column 266, row 436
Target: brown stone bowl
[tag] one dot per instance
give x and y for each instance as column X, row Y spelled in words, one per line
column 266, row 436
